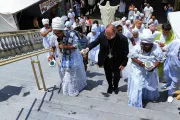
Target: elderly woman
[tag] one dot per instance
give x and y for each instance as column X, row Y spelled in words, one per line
column 139, row 27
column 68, row 57
column 143, row 80
column 133, row 41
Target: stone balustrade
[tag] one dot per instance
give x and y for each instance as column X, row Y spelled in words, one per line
column 19, row 42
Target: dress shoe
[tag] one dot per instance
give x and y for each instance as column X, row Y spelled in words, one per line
column 110, row 90
column 116, row 90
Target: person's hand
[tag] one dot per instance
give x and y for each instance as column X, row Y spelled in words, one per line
column 161, row 44
column 85, row 57
column 50, row 58
column 141, row 63
column 61, row 46
column 50, row 30
column 121, row 67
column 84, row 51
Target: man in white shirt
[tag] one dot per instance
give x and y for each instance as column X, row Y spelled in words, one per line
column 71, row 16
column 153, row 20
column 45, row 33
column 148, row 10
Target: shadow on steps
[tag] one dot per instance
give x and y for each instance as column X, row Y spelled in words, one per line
column 93, row 84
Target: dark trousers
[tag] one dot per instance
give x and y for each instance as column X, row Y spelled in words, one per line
column 83, row 11
column 112, row 75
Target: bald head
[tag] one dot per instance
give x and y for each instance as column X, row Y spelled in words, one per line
column 110, row 31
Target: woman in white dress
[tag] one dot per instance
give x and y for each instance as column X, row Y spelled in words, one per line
column 93, row 54
column 122, row 7
column 143, row 81
column 133, row 41
column 69, row 59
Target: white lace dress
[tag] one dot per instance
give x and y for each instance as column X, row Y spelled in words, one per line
column 73, row 79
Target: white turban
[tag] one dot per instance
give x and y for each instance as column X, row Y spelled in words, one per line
column 58, row 23
column 116, row 23
column 141, row 15
column 123, row 19
column 68, row 24
column 64, row 18
column 147, row 36
column 45, row 21
column 94, row 28
column 135, row 31
column 131, row 18
column 135, row 9
column 128, row 22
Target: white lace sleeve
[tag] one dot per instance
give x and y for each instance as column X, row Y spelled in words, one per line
column 52, row 40
column 158, row 53
column 134, row 52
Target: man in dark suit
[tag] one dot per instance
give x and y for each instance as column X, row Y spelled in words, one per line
column 112, row 55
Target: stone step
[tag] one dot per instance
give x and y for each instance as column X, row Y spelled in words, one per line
column 121, row 98
column 70, row 111
column 88, row 109
column 166, row 107
column 40, row 115
column 99, row 93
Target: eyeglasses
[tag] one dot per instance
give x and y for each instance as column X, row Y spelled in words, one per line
column 111, row 37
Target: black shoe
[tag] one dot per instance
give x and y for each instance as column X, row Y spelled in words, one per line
column 110, row 90
column 116, row 90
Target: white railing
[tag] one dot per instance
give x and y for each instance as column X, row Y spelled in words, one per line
column 19, row 42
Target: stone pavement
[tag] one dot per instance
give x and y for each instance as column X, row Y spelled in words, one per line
column 20, row 99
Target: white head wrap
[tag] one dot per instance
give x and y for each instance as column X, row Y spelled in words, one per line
column 116, row 23
column 128, row 22
column 68, row 24
column 58, row 23
column 70, row 10
column 123, row 19
column 131, row 18
column 135, row 9
column 147, row 36
column 64, row 18
column 135, row 31
column 45, row 21
column 94, row 28
column 141, row 15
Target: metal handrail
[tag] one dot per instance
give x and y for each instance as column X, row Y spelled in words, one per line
column 21, row 57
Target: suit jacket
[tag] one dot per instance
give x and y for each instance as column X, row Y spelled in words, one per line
column 120, row 49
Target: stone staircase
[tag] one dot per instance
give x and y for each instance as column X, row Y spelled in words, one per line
column 93, row 103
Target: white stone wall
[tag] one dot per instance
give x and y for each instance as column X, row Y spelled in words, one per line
column 15, row 43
